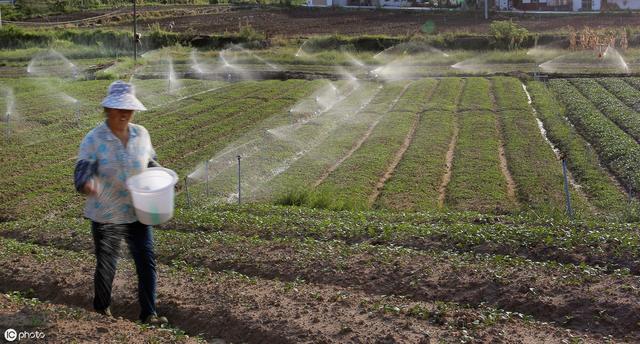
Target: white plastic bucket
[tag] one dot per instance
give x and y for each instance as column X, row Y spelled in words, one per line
column 152, row 192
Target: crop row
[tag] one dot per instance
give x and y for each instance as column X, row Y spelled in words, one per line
column 194, row 124
column 582, row 159
column 66, row 142
column 356, row 178
column 625, row 117
column 415, row 184
column 310, row 168
column 532, row 163
column 31, row 177
column 23, row 189
column 271, row 152
column 617, row 150
column 477, row 182
column 428, row 276
column 237, row 307
column 629, row 95
column 188, row 152
column 476, row 96
column 634, row 82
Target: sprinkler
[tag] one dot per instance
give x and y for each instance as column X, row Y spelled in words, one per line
column 566, row 186
column 206, row 182
column 239, row 190
column 7, row 119
column 77, row 113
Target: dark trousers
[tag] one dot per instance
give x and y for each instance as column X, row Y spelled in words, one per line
column 107, row 239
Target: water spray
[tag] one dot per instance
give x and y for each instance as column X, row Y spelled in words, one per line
column 186, row 190
column 7, row 119
column 52, row 63
column 9, row 109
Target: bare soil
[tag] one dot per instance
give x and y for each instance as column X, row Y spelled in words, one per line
column 239, row 308
column 446, row 178
column 63, row 324
column 309, row 21
column 590, row 303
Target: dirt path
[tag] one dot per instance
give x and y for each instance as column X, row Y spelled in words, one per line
column 353, row 149
column 359, row 143
column 504, row 165
column 396, row 160
column 446, row 177
column 239, row 308
column 399, row 154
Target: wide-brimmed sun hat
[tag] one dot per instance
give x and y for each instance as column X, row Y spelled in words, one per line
column 122, row 95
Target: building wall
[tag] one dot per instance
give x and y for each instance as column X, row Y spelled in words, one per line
column 625, row 4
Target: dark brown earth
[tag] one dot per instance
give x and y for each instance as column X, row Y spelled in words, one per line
column 309, row 21
column 63, row 324
column 304, row 21
column 588, row 302
column 240, row 308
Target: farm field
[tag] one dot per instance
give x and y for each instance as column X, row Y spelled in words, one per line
column 422, row 180
column 392, row 194
column 301, row 21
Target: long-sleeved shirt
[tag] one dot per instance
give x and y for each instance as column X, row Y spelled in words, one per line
column 109, row 163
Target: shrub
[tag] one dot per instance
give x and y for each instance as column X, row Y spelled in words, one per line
column 507, row 34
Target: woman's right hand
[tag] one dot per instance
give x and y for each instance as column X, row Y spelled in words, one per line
column 90, row 188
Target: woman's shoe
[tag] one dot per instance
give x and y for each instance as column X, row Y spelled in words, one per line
column 106, row 312
column 154, row 319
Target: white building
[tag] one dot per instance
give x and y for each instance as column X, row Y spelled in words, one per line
column 566, row 5
column 503, row 5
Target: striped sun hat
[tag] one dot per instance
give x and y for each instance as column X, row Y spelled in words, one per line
column 122, row 95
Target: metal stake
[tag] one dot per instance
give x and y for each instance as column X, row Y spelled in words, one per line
column 78, row 116
column 8, row 130
column 566, row 187
column 239, row 189
column 135, row 34
column 206, row 172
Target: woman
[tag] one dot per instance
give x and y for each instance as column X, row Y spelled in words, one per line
column 109, row 154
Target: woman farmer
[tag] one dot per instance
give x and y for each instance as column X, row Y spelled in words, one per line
column 109, row 154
